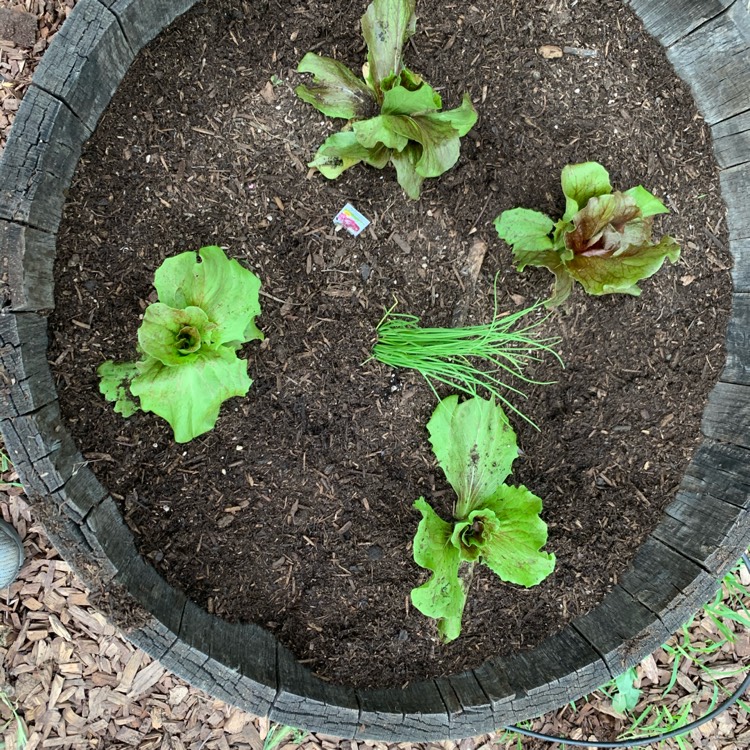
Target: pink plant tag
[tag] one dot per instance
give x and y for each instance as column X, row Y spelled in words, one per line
column 352, row 220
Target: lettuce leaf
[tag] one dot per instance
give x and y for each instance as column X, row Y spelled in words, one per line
column 618, row 273
column 443, row 596
column 336, row 91
column 189, row 396
column 410, row 131
column 401, row 100
column 513, row 535
column 114, row 385
column 222, row 288
column 405, row 163
column 580, row 183
column 188, row 340
column 342, row 150
column 603, row 240
column 174, row 337
column 474, row 446
column 495, row 524
column 386, row 26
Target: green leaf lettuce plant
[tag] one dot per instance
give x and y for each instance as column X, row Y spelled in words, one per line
column 603, row 240
column 394, row 116
column 494, row 524
column 188, row 342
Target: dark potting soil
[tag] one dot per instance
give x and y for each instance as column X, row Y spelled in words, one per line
column 295, row 512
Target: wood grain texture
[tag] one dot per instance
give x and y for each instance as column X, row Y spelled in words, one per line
column 39, row 160
column 26, row 382
column 721, row 470
column 699, row 538
column 142, row 20
column 153, row 637
column 727, row 414
column 709, row 521
column 737, row 366
column 106, row 531
column 30, row 255
column 740, row 250
column 562, row 668
column 415, row 711
column 735, row 189
column 469, row 710
column 306, row 701
column 80, row 494
column 707, row 530
column 670, row 21
column 236, row 663
column 621, row 630
column 712, row 59
column 41, row 450
column 668, row 583
column 732, row 140
column 85, row 81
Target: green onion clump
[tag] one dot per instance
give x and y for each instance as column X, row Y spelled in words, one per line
column 469, row 358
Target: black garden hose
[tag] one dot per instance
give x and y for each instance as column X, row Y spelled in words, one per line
column 736, row 695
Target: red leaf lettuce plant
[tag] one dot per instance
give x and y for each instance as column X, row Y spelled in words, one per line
column 410, row 131
column 603, row 240
column 188, row 341
column 495, row 524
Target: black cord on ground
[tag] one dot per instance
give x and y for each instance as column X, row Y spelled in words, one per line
column 736, row 695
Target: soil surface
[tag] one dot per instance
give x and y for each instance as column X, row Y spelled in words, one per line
column 295, row 512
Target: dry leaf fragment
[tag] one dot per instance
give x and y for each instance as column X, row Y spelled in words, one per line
column 550, row 51
column 177, row 695
column 267, row 93
column 687, row 280
column 236, row 722
column 650, row 670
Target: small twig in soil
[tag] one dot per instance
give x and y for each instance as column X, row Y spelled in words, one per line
column 470, row 272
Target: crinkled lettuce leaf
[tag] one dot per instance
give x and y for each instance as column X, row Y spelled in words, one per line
column 174, row 336
column 189, row 396
column 495, row 524
column 619, row 273
column 222, row 288
column 513, row 535
column 603, row 241
column 335, row 90
column 410, row 131
column 114, row 385
column 188, row 340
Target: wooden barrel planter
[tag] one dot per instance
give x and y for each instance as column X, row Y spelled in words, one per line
column 704, row 531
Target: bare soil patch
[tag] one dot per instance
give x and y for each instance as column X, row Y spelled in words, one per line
column 296, row 511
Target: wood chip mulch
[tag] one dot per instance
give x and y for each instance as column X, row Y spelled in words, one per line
column 75, row 682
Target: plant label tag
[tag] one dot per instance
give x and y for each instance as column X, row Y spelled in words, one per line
column 352, row 220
